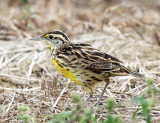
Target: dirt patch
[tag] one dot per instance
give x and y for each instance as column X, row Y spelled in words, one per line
column 128, row 30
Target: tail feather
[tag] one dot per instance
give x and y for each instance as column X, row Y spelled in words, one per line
column 133, row 73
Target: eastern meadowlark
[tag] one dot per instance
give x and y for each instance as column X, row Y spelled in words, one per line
column 82, row 63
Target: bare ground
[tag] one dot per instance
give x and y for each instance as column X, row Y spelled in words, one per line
column 128, row 30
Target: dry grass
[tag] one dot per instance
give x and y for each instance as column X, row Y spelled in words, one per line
column 128, row 30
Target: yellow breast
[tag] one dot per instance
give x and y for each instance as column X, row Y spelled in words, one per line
column 67, row 73
column 64, row 71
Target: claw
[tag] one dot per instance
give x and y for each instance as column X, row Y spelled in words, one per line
column 85, row 100
column 98, row 103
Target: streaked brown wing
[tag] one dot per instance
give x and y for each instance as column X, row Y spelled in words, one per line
column 95, row 59
column 90, row 58
column 87, row 51
column 105, row 56
column 105, row 66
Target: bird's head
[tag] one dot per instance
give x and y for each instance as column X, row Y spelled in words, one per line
column 56, row 39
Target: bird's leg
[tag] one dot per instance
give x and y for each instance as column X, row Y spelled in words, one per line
column 90, row 91
column 100, row 97
column 90, row 96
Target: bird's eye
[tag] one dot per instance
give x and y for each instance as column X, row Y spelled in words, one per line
column 51, row 36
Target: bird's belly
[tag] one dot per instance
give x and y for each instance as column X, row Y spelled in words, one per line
column 66, row 71
column 79, row 75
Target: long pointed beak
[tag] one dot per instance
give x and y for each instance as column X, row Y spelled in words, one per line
column 38, row 38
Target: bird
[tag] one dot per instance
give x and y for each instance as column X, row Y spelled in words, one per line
column 82, row 63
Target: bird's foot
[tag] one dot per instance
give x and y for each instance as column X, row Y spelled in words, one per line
column 85, row 100
column 98, row 103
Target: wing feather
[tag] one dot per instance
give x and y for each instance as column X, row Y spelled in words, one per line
column 95, row 59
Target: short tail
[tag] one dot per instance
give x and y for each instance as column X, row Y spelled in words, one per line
column 133, row 73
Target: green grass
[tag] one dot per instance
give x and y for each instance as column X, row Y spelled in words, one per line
column 23, row 114
column 86, row 115
column 81, row 114
column 147, row 100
